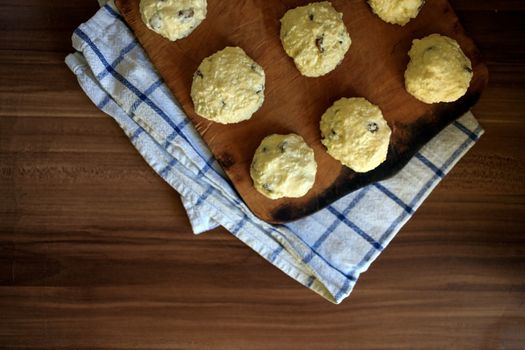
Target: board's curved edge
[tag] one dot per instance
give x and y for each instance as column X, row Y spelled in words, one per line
column 391, row 167
column 394, row 164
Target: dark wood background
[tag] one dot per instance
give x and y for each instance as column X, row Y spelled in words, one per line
column 96, row 251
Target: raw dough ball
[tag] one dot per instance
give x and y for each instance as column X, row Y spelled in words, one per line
column 173, row 19
column 438, row 70
column 315, row 37
column 283, row 166
column 355, row 133
column 396, row 11
column 228, row 87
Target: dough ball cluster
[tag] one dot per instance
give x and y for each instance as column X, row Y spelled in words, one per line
column 228, row 86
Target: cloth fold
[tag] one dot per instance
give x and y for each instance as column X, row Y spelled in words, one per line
column 326, row 251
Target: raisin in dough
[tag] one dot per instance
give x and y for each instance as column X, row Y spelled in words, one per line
column 173, row 19
column 228, row 87
column 438, row 70
column 283, row 166
column 355, row 133
column 396, row 11
column 315, row 37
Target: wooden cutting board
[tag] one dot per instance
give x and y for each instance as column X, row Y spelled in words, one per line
column 373, row 68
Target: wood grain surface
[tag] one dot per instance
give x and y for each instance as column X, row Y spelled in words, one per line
column 373, row 68
column 96, row 251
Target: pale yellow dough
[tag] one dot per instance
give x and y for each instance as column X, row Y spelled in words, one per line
column 438, row 70
column 355, row 133
column 228, row 87
column 396, row 11
column 315, row 37
column 173, row 19
column 283, row 166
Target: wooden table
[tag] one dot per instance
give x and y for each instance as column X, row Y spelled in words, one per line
column 97, row 253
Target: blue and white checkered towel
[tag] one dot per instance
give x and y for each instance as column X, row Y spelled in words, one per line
column 325, row 252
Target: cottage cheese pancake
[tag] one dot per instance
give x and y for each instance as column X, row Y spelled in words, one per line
column 396, row 11
column 315, row 37
column 438, row 70
column 173, row 19
column 283, row 166
column 355, row 133
column 228, row 87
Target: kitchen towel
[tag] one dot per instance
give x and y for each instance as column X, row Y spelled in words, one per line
column 326, row 251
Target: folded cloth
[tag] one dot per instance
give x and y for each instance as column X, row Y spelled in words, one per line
column 326, row 251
